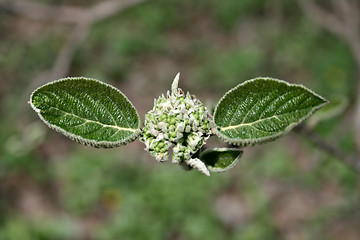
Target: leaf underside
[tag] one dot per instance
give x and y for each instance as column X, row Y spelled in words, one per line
column 87, row 111
column 220, row 159
column 263, row 109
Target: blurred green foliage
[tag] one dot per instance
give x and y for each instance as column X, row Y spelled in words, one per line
column 112, row 194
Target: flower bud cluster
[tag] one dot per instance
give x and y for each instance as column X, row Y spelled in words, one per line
column 177, row 121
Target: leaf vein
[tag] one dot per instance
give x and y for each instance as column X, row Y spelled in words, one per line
column 80, row 101
column 103, row 107
column 96, row 122
column 264, row 119
column 113, row 134
column 288, row 100
column 237, row 109
column 244, row 118
column 270, row 104
column 125, row 119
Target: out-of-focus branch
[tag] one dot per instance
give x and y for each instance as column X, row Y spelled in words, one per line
column 66, row 54
column 344, row 22
column 81, row 20
column 321, row 16
column 352, row 160
column 68, row 14
column 348, row 11
column 106, row 9
column 64, row 14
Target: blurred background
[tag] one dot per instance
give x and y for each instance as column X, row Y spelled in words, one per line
column 53, row 188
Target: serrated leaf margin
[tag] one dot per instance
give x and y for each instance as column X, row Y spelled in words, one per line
column 88, row 142
column 246, row 142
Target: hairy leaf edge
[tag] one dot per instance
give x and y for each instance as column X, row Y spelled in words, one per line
column 218, row 170
column 246, row 142
column 79, row 139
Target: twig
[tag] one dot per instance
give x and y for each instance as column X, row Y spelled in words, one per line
column 343, row 22
column 351, row 160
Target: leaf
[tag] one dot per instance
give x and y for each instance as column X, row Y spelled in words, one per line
column 220, row 159
column 335, row 108
column 87, row 111
column 263, row 109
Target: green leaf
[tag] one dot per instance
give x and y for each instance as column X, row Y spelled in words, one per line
column 87, row 111
column 220, row 159
column 335, row 108
column 263, row 109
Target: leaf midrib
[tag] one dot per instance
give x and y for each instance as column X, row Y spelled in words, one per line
column 252, row 123
column 96, row 122
column 259, row 120
column 249, row 124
